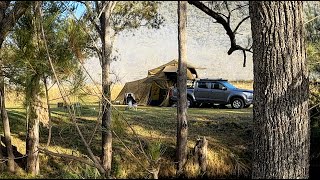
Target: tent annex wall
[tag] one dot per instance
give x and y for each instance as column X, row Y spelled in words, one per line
column 154, row 89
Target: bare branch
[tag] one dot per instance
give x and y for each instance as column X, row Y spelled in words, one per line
column 83, row 160
column 229, row 12
column 235, row 30
column 221, row 14
column 244, row 58
column 239, row 7
column 95, row 49
column 98, row 29
column 97, row 8
column 224, row 23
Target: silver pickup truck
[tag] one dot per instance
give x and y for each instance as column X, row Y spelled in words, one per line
column 215, row 91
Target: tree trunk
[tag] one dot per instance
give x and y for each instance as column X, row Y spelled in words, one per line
column 34, row 108
column 2, row 164
column 6, row 125
column 49, row 110
column 280, row 108
column 106, row 157
column 182, row 125
column 200, row 153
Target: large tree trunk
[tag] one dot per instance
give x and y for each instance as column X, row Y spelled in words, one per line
column 33, row 110
column 280, row 107
column 106, row 39
column 182, row 125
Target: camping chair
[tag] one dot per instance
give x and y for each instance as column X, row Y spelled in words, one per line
column 132, row 104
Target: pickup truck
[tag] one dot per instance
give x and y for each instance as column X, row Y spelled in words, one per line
column 214, row 91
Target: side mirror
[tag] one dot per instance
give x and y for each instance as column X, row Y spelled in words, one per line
column 224, row 88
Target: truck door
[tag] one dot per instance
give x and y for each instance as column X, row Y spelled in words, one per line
column 202, row 91
column 219, row 93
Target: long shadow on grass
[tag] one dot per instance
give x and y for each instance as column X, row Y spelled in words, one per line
column 223, row 131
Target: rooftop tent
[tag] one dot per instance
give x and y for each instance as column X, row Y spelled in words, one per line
column 154, row 89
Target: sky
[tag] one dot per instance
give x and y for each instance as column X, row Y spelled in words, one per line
column 207, row 46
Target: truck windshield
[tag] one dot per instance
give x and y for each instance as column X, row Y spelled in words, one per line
column 229, row 86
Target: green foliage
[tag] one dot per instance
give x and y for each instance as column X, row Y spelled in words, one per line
column 154, row 150
column 118, row 124
column 116, row 166
column 313, row 57
column 312, row 26
column 82, row 172
column 129, row 15
column 25, row 54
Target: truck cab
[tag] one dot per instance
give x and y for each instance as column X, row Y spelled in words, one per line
column 216, row 91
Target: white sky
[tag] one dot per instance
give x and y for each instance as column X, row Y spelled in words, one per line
column 207, row 46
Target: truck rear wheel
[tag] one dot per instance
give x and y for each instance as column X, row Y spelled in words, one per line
column 189, row 102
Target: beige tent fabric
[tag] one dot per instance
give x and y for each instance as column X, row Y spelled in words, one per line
column 171, row 66
column 141, row 88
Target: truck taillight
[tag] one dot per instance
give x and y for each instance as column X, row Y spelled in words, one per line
column 170, row 92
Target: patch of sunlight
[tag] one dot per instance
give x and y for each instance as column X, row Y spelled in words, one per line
column 149, row 133
column 20, row 144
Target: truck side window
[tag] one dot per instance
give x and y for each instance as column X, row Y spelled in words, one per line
column 205, row 85
column 217, row 86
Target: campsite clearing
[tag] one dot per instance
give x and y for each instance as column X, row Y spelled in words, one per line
column 228, row 132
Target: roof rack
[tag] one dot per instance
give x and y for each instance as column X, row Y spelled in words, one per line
column 215, row 79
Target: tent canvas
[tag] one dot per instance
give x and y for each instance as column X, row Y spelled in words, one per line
column 154, row 89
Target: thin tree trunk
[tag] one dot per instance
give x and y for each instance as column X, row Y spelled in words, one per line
column 182, row 125
column 2, row 164
column 280, row 108
column 34, row 107
column 49, row 110
column 106, row 157
column 6, row 124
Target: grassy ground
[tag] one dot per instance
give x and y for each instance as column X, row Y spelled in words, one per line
column 228, row 132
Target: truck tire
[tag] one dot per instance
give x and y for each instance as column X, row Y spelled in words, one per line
column 190, row 102
column 237, row 103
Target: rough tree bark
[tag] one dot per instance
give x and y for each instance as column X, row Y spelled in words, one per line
column 106, row 40
column 182, row 125
column 33, row 110
column 280, row 107
column 8, row 18
column 200, row 153
column 34, row 104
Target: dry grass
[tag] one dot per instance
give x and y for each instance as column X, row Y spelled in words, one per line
column 243, row 84
column 228, row 132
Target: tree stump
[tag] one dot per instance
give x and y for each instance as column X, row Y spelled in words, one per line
column 200, row 153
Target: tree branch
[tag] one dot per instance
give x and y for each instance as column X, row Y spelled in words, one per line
column 239, row 7
column 8, row 22
column 229, row 12
column 244, row 58
column 219, row 19
column 235, row 30
column 83, row 160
